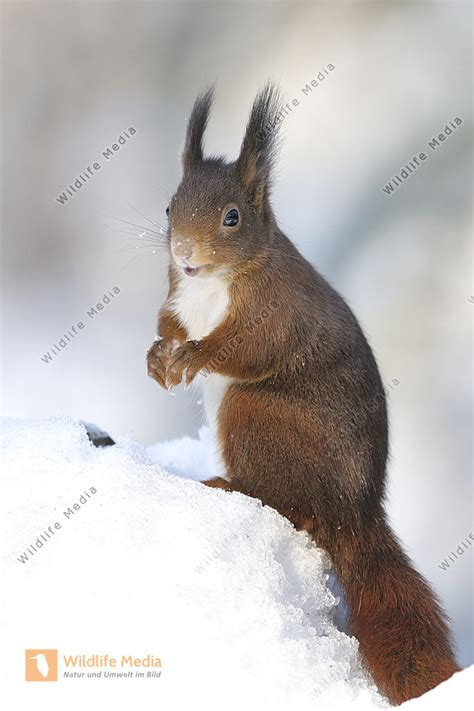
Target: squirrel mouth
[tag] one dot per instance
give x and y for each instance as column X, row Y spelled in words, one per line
column 191, row 271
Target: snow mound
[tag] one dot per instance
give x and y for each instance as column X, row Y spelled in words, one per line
column 187, row 457
column 104, row 552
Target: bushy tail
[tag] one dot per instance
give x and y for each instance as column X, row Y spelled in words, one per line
column 402, row 631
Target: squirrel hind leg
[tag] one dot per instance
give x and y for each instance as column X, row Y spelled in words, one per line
column 218, row 482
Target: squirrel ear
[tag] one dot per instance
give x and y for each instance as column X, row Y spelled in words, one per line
column 259, row 147
column 192, row 152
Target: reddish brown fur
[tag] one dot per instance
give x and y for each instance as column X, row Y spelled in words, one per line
column 303, row 427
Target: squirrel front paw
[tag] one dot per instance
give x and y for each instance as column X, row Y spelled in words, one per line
column 187, row 359
column 157, row 359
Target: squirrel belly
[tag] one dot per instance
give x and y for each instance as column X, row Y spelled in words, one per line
column 293, row 392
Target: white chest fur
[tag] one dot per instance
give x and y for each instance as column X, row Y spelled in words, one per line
column 201, row 305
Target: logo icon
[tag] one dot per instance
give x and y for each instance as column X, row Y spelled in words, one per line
column 41, row 665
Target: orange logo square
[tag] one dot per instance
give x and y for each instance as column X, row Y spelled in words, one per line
column 41, row 664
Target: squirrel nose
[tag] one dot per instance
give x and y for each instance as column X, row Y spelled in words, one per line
column 182, row 249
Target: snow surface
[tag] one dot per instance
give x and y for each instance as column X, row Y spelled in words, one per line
column 223, row 590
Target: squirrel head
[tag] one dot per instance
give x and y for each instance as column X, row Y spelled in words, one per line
column 220, row 216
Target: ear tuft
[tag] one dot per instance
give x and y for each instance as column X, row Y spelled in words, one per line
column 192, row 152
column 260, row 146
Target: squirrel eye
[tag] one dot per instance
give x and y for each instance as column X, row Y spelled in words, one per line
column 167, row 211
column 231, row 218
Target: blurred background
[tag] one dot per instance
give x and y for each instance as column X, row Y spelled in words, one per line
column 76, row 75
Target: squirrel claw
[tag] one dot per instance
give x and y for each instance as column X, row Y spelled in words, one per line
column 156, row 358
column 185, row 361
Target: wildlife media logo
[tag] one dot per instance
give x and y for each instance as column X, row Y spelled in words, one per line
column 41, row 664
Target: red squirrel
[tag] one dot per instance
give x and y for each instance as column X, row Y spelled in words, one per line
column 293, row 393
